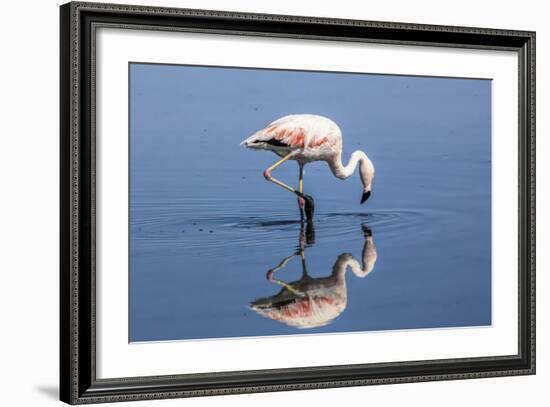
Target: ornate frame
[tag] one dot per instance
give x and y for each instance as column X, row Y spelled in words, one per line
column 78, row 382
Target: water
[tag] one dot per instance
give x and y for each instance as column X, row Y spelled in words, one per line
column 206, row 228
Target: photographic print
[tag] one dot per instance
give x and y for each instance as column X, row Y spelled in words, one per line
column 283, row 202
column 355, row 197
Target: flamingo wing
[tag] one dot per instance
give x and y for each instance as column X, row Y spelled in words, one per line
column 307, row 312
column 296, row 131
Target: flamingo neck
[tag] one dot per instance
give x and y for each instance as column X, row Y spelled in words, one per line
column 346, row 260
column 366, row 168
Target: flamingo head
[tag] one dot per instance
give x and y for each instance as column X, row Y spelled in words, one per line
column 366, row 172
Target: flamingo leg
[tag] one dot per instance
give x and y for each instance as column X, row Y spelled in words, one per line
column 301, row 180
column 267, row 173
column 282, row 264
column 301, row 201
column 308, row 204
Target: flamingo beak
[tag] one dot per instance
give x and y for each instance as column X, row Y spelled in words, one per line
column 365, row 196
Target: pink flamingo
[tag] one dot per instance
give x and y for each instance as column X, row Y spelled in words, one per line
column 306, row 138
column 311, row 302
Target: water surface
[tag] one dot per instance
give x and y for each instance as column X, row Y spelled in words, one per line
column 206, row 228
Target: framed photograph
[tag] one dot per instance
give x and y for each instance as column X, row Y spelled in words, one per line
column 255, row 203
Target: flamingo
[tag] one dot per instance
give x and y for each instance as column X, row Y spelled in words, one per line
column 312, row 302
column 306, row 138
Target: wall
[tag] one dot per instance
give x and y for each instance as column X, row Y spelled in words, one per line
column 29, row 202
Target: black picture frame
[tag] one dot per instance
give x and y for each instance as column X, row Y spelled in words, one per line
column 78, row 382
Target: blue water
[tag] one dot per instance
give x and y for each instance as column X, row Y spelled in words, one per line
column 206, row 227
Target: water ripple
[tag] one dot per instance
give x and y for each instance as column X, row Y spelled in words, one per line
column 211, row 226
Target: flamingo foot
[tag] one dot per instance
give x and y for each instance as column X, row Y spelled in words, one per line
column 309, row 206
column 267, row 175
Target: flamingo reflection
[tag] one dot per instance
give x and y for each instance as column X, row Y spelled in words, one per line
column 313, row 302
